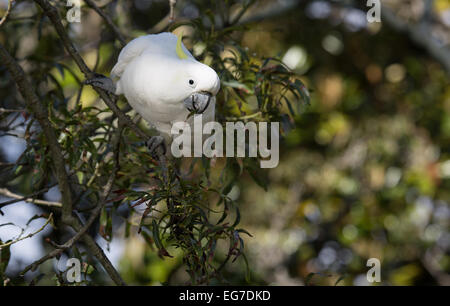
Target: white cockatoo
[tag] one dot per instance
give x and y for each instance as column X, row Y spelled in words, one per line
column 163, row 82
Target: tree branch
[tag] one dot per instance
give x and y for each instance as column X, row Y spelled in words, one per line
column 29, row 198
column 3, row 110
column 82, row 229
column 53, row 15
column 40, row 113
column 420, row 35
column 90, row 243
column 8, row 11
column 103, row 198
column 172, row 4
column 58, row 162
column 29, row 235
column 108, row 21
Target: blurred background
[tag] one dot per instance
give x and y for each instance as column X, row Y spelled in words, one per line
column 364, row 174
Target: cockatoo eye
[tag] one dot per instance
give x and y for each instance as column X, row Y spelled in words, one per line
column 191, row 82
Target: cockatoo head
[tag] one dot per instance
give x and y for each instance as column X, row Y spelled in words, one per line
column 161, row 79
column 197, row 83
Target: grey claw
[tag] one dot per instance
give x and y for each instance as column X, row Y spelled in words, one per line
column 154, row 143
column 102, row 82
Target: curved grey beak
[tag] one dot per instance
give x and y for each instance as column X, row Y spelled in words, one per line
column 198, row 102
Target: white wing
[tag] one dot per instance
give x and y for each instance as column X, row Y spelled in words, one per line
column 162, row 43
column 132, row 50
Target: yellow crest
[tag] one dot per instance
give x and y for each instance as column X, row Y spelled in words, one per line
column 179, row 49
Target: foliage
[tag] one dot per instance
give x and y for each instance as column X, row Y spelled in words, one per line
column 364, row 169
column 181, row 209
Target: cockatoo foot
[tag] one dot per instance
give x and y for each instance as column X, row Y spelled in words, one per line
column 102, row 82
column 154, row 143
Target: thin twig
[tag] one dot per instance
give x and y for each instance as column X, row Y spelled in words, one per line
column 29, row 235
column 241, row 13
column 108, row 21
column 29, row 198
column 8, row 10
column 254, row 115
column 81, row 231
column 58, row 163
column 172, row 4
column 105, row 194
column 4, row 110
column 40, row 113
column 54, row 17
column 34, row 265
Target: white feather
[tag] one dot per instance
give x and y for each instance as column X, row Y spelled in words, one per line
column 155, row 80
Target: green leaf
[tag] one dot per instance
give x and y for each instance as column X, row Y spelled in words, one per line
column 5, row 255
column 60, row 69
column 206, row 165
column 302, row 90
column 339, row 279
column 247, row 269
column 105, row 229
column 238, row 85
column 230, row 174
column 238, row 217
column 88, row 269
column 255, row 171
column 309, row 278
column 155, row 231
column 17, row 170
column 36, row 217
column 80, row 176
column 241, row 230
